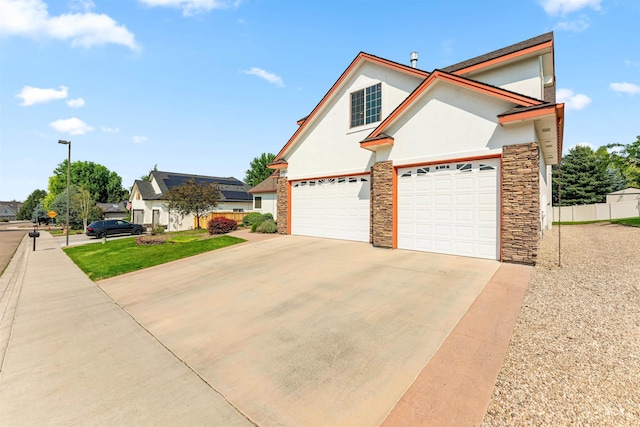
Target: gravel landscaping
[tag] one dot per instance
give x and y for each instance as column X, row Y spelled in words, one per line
column 574, row 358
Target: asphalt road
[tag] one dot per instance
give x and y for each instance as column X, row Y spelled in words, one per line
column 11, row 234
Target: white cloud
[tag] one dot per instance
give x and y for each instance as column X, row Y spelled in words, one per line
column 630, row 63
column 75, row 103
column 33, row 95
column 139, row 139
column 576, row 26
column 563, row 7
column 109, row 130
column 192, row 7
column 74, row 126
column 625, row 87
column 572, row 101
column 270, row 77
column 30, row 18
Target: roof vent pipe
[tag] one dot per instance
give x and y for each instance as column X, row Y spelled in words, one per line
column 414, row 59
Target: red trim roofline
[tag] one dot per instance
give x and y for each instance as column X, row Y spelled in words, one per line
column 358, row 59
column 459, row 81
column 504, row 58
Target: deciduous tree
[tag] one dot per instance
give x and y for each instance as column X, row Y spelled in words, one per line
column 26, row 211
column 192, row 198
column 258, row 170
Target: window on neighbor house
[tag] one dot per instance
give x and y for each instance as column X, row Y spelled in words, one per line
column 366, row 105
column 257, row 202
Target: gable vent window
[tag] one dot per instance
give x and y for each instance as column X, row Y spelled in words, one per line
column 366, row 105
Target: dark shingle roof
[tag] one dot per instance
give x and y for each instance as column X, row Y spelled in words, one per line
column 543, row 38
column 112, row 207
column 231, row 189
column 268, row 185
column 520, row 109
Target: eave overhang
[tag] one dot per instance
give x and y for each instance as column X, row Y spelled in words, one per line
column 380, row 141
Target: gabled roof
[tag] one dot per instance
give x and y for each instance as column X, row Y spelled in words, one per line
column 439, row 75
column 535, row 43
column 231, row 189
column 268, row 185
column 630, row 190
column 361, row 57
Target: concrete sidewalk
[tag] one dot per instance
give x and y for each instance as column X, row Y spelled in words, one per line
column 69, row 355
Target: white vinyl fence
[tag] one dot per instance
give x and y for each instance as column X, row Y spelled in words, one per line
column 597, row 211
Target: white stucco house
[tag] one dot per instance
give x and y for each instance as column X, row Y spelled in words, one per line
column 265, row 196
column 148, row 205
column 454, row 160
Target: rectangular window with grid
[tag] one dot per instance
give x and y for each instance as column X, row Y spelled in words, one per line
column 366, row 105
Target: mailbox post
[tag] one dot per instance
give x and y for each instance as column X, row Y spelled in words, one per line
column 34, row 234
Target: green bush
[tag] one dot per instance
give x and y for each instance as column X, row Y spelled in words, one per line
column 252, row 218
column 268, row 226
column 157, row 229
column 255, row 226
column 266, row 217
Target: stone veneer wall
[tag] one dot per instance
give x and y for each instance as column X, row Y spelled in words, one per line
column 520, row 203
column 282, row 205
column 382, row 204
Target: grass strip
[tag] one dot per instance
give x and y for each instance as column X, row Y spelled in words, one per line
column 116, row 257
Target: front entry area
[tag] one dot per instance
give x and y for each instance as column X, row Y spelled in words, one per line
column 450, row 208
column 337, row 207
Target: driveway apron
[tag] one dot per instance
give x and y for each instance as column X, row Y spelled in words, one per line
column 305, row 331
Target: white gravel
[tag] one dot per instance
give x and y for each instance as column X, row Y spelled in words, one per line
column 574, row 358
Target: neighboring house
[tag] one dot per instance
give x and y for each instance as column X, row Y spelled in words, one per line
column 264, row 196
column 9, row 210
column 627, row 195
column 113, row 210
column 148, row 205
column 455, row 161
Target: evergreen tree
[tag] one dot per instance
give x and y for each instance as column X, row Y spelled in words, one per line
column 584, row 176
column 259, row 170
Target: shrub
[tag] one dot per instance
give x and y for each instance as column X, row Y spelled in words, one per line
column 252, row 218
column 268, row 226
column 157, row 229
column 266, row 217
column 221, row 225
column 254, row 226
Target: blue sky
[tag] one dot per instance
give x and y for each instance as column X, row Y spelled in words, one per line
column 204, row 86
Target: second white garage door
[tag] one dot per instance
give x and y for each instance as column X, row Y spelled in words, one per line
column 450, row 208
column 331, row 207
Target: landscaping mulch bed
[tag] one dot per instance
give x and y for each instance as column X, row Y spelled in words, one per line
column 574, row 358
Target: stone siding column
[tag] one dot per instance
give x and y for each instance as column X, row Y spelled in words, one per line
column 520, row 220
column 382, row 204
column 283, row 205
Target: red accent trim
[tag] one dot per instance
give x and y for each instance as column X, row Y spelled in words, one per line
column 458, row 159
column 504, row 58
column 346, row 175
column 439, row 75
column 394, row 211
column 501, row 211
column 382, row 141
column 278, row 166
column 358, row 59
column 301, row 121
column 526, row 115
column 289, row 201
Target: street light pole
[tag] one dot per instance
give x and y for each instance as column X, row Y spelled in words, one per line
column 68, row 144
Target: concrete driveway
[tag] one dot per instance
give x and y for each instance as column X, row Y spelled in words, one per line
column 305, row 331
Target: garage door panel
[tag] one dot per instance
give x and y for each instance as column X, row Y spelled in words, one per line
column 331, row 207
column 461, row 216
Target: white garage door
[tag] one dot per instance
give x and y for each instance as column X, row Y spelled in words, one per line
column 451, row 208
column 331, row 207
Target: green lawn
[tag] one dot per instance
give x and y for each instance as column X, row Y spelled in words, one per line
column 634, row 222
column 100, row 261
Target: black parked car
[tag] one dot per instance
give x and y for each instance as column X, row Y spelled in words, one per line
column 108, row 227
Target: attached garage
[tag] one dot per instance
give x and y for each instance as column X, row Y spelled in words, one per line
column 450, row 208
column 331, row 207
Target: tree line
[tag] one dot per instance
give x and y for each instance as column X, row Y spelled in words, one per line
column 586, row 176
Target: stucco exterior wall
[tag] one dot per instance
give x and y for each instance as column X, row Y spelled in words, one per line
column 329, row 147
column 268, row 204
column 433, row 129
column 522, row 77
column 546, row 215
